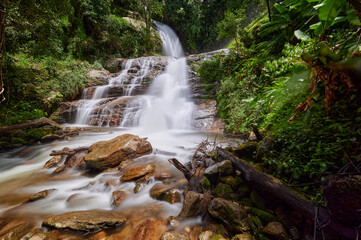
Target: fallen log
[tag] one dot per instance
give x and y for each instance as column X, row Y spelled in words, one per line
column 34, row 124
column 278, row 189
column 186, row 172
column 68, row 151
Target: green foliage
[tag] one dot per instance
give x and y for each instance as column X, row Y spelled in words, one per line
column 211, row 71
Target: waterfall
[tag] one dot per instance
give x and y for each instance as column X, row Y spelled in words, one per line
column 167, row 104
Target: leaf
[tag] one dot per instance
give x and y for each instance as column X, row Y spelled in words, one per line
column 317, row 27
column 330, row 9
column 281, row 9
column 302, row 36
column 352, row 17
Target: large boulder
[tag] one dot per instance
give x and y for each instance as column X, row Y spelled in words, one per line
column 107, row 154
column 97, row 77
column 229, row 213
column 84, row 220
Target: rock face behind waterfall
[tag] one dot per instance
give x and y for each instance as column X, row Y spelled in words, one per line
column 106, row 154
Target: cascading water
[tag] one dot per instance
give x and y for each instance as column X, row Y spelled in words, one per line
column 167, row 104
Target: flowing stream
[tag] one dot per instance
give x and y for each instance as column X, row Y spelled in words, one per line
column 163, row 114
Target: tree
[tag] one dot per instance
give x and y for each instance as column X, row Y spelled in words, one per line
column 229, row 26
column 148, row 8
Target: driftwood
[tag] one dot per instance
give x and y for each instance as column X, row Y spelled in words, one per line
column 278, row 189
column 186, row 172
column 68, row 151
column 34, row 124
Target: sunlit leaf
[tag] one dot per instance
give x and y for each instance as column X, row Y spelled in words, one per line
column 302, row 36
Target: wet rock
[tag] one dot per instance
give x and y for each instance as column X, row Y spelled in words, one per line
column 243, row 236
column 107, row 154
column 14, row 230
column 219, row 169
column 343, row 199
column 294, row 233
column 137, row 172
column 110, row 183
column 172, row 235
column 230, row 213
column 164, row 192
column 53, row 162
column 195, row 204
column 59, row 170
column 206, row 117
column 84, row 220
column 139, row 187
column 76, row 160
column 276, row 230
column 207, row 235
column 119, row 197
column 124, row 164
column 97, row 77
column 172, row 196
column 244, row 191
column 41, row 195
column 150, row 229
column 145, row 179
column 115, row 65
column 162, row 176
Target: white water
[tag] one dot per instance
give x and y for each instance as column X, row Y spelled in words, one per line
column 164, row 115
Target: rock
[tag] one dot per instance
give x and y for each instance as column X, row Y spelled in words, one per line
column 276, row 230
column 164, row 192
column 172, row 196
column 247, row 150
column 294, row 233
column 145, row 179
column 115, row 65
column 137, row 24
column 206, row 117
column 150, row 229
column 162, row 176
column 53, row 162
column 233, row 181
column 172, row 235
column 40, row 195
column 139, row 187
column 84, row 220
column 265, row 147
column 243, row 236
column 59, row 170
column 137, row 172
column 218, row 237
column 257, row 199
column 107, row 154
column 195, row 204
column 76, row 160
column 97, row 77
column 243, row 191
column 223, row 191
column 15, row 229
column 343, row 199
column 229, row 213
column 219, row 169
column 119, row 197
column 207, row 235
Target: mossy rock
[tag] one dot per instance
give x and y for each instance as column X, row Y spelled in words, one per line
column 263, row 215
column 255, row 224
column 246, row 202
column 234, row 182
column 243, row 236
column 247, row 150
column 243, row 191
column 223, row 190
column 258, row 200
column 218, row 237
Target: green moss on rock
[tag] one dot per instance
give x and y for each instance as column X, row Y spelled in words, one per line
column 223, row 190
column 258, row 200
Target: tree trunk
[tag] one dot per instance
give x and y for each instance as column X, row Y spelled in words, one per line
column 278, row 189
column 3, row 15
column 269, row 10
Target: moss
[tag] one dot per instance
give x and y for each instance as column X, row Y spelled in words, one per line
column 243, row 191
column 263, row 215
column 223, row 190
column 256, row 224
column 217, row 237
column 258, row 200
column 209, row 87
column 247, row 150
column 246, row 202
column 206, row 183
column 234, row 182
